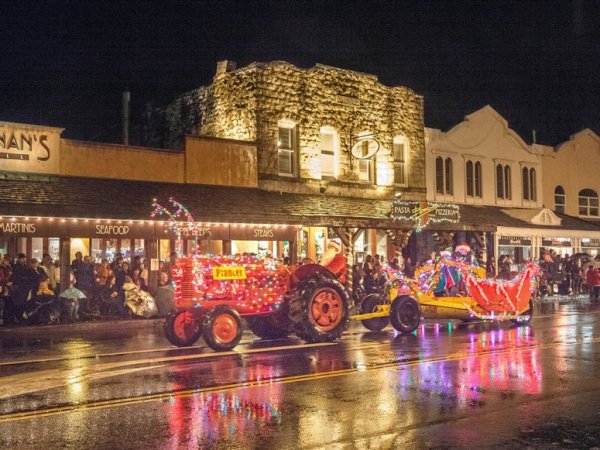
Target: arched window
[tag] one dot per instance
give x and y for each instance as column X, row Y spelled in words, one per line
column 588, row 203
column 507, row 184
column 478, row 190
column 525, row 183
column 470, row 179
column 443, row 176
column 559, row 199
column 448, row 176
column 529, row 184
column 499, row 181
column 439, row 175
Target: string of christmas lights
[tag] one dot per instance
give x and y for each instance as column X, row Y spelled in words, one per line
column 258, row 287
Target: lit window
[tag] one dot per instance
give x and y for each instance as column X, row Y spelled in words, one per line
column 400, row 153
column 532, row 185
column 588, row 203
column 286, row 147
column 559, row 199
column 328, row 147
column 365, row 170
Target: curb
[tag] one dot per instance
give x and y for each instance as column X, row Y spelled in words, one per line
column 82, row 326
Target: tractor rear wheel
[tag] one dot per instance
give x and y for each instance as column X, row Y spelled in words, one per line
column 405, row 314
column 267, row 327
column 182, row 328
column 369, row 305
column 222, row 328
column 318, row 309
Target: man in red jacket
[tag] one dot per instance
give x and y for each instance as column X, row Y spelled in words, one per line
column 334, row 260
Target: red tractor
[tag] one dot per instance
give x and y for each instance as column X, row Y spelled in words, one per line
column 213, row 294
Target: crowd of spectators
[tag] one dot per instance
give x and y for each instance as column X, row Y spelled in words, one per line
column 26, row 285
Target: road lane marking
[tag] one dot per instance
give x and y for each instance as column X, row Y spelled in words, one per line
column 165, row 396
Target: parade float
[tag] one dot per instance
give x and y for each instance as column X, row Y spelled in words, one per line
column 213, row 293
column 449, row 288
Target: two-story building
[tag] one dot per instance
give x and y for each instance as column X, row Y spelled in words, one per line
column 572, row 183
column 499, row 182
column 318, row 131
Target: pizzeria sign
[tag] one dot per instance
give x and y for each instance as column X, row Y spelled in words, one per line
column 422, row 213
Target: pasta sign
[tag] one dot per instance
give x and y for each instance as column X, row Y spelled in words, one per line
column 422, row 213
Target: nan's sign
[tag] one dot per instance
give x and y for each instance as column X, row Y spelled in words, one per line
column 423, row 213
column 29, row 148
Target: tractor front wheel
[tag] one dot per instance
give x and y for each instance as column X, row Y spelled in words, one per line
column 369, row 305
column 182, row 328
column 319, row 310
column 405, row 314
column 222, row 328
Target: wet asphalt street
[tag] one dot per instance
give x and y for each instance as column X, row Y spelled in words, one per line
column 450, row 385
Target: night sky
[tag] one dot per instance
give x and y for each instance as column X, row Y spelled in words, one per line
column 537, row 63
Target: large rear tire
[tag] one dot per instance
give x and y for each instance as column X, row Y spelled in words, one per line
column 267, row 327
column 405, row 314
column 182, row 328
column 319, row 310
column 222, row 328
column 526, row 317
column 368, row 305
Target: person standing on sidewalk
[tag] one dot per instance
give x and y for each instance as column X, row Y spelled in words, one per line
column 5, row 284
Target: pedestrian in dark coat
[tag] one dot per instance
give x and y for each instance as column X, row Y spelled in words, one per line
column 23, row 280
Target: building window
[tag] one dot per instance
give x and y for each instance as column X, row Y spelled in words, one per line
column 366, row 169
column 478, row 188
column 287, row 148
column 443, row 176
column 400, row 154
column 559, row 199
column 448, row 175
column 499, row 181
column 529, row 184
column 439, row 175
column 507, row 184
column 470, row 179
column 588, row 203
column 503, row 184
column 328, row 147
column 525, row 183
column 473, row 179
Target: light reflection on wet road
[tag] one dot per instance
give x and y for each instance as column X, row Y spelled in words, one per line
column 449, row 385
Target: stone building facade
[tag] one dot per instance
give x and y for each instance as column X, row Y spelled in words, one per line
column 305, row 123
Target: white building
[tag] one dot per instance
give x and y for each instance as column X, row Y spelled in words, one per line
column 497, row 178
